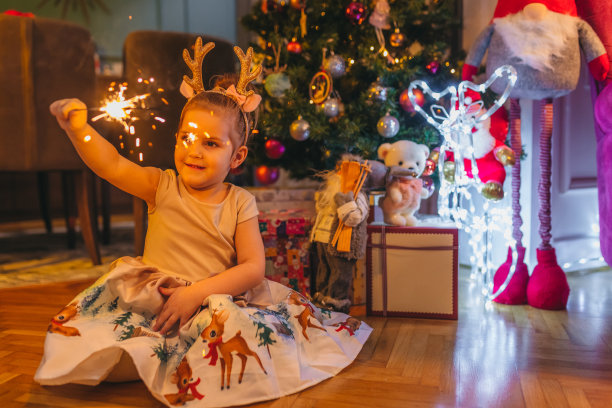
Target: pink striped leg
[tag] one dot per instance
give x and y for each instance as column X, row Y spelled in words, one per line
column 517, row 275
column 547, row 288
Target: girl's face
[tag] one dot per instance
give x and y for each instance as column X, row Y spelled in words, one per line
column 204, row 152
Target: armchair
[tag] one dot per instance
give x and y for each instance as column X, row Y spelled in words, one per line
column 42, row 60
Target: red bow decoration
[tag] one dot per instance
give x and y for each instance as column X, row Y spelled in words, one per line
column 192, row 387
column 348, row 329
column 213, row 354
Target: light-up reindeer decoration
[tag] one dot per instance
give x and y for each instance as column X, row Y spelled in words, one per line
column 456, row 200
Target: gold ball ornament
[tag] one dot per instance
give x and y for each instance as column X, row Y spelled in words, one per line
column 493, row 191
column 435, row 155
column 505, row 155
column 449, row 171
column 397, row 39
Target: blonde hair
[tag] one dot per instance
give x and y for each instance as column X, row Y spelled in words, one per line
column 224, row 105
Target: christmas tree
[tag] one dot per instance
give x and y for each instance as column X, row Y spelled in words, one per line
column 336, row 75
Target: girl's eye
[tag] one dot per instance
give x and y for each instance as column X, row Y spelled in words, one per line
column 210, row 143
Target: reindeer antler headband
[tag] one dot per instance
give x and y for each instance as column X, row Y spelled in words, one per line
column 247, row 101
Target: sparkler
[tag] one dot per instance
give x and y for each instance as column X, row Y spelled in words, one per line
column 116, row 107
column 119, row 109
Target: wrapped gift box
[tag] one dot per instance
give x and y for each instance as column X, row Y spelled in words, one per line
column 286, row 241
column 412, row 272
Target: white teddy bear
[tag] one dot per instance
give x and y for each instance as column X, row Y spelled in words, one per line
column 404, row 193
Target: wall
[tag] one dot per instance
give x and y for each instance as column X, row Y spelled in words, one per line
column 212, row 17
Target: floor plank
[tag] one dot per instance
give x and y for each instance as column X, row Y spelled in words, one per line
column 492, row 356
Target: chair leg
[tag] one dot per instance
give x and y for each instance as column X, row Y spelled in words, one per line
column 70, row 211
column 139, row 225
column 84, row 185
column 105, row 200
column 43, row 199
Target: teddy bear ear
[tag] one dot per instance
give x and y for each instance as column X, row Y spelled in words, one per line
column 383, row 149
column 425, row 150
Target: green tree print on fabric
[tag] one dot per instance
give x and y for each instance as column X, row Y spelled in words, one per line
column 91, row 298
column 164, row 352
column 112, row 306
column 263, row 331
column 122, row 319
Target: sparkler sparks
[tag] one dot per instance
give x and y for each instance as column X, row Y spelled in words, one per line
column 118, row 108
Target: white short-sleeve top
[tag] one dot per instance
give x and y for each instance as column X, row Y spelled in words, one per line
column 192, row 239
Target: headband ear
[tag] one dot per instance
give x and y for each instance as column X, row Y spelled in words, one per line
column 186, row 90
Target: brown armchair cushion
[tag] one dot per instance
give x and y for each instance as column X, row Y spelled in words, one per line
column 41, row 60
column 159, row 54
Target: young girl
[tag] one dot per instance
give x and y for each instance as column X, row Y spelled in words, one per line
column 169, row 317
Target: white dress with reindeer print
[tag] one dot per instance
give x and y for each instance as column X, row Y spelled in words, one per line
column 228, row 353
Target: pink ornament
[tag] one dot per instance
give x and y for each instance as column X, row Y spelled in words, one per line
column 430, row 167
column 404, row 100
column 274, row 149
column 356, row 12
column 433, row 67
column 266, row 175
column 428, row 185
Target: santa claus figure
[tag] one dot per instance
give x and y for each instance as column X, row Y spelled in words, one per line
column 490, row 154
column 542, row 40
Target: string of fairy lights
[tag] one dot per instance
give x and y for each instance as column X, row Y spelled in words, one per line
column 454, row 114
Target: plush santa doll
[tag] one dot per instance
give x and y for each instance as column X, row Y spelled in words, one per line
column 542, row 41
column 490, row 153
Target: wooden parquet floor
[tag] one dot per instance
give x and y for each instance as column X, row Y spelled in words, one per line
column 493, row 356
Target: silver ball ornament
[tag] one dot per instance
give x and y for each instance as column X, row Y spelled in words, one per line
column 335, row 66
column 300, row 129
column 388, row 126
column 331, row 107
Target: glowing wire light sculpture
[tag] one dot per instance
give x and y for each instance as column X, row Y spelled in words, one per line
column 454, row 114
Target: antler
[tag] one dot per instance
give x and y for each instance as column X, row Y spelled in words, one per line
column 246, row 74
column 195, row 64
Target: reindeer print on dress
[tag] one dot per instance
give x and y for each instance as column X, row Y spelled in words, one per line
column 66, row 314
column 183, row 380
column 212, row 335
column 351, row 325
column 304, row 317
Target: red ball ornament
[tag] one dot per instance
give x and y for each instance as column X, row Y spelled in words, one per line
column 356, row 12
column 266, row 175
column 274, row 149
column 404, row 100
column 294, row 47
column 433, row 67
column 430, row 167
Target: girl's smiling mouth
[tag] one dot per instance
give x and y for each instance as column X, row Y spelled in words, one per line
column 195, row 166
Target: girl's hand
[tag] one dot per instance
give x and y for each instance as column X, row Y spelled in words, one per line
column 71, row 114
column 182, row 303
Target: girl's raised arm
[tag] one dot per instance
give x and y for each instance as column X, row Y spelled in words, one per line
column 101, row 156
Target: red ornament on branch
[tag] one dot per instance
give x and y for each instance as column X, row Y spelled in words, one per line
column 274, row 149
column 294, row 47
column 266, row 175
column 405, row 103
column 356, row 12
